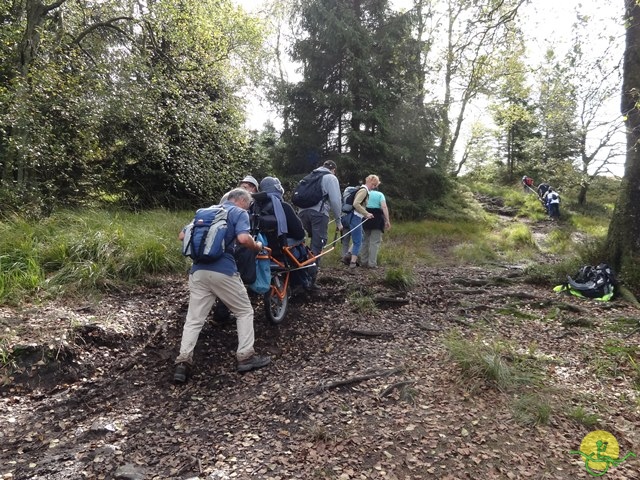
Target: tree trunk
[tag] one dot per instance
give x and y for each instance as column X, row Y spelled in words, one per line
column 582, row 194
column 623, row 239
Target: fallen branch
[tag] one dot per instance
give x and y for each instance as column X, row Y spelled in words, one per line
column 370, row 333
column 469, row 282
column 633, row 332
column 570, row 308
column 358, row 379
column 469, row 291
column 400, row 301
column 394, row 386
column 428, row 328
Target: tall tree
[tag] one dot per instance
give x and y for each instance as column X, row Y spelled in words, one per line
column 466, row 63
column 513, row 111
column 595, row 70
column 623, row 239
column 360, row 99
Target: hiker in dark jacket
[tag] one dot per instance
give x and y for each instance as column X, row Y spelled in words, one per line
column 294, row 231
column 315, row 219
column 553, row 203
column 542, row 189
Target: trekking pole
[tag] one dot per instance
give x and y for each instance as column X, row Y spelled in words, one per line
column 345, row 234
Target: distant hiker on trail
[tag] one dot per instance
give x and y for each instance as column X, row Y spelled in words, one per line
column 220, row 279
column 315, row 217
column 542, row 189
column 527, row 184
column 373, row 229
column 553, row 204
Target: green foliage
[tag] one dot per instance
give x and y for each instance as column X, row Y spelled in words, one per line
column 560, row 241
column 360, row 93
column 478, row 252
column 517, row 235
column 532, row 409
column 481, row 360
column 362, row 303
column 399, row 278
column 582, row 416
column 494, row 362
column 86, row 252
column 141, row 111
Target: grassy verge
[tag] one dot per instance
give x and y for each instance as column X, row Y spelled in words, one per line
column 75, row 252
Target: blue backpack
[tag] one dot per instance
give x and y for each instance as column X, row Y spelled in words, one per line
column 204, row 238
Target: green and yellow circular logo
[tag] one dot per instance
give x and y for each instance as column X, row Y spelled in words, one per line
column 600, row 451
column 600, row 444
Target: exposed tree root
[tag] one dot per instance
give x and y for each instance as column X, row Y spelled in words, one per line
column 395, row 386
column 357, row 379
column 371, row 333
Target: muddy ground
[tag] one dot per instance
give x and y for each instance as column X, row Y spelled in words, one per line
column 368, row 394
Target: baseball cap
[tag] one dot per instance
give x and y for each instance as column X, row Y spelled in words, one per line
column 330, row 164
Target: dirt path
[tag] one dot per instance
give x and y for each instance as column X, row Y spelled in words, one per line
column 349, row 395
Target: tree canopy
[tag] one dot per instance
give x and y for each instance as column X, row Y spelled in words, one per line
column 144, row 104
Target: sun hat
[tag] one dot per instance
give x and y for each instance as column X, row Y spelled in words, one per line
column 251, row 180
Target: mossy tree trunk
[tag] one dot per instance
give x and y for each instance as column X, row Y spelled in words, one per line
column 623, row 239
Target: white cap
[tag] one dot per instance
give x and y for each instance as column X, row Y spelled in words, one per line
column 251, row 180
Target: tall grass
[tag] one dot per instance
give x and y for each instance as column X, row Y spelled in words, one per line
column 482, row 360
column 425, row 242
column 86, row 251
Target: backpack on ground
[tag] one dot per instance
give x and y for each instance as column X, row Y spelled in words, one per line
column 204, row 238
column 348, row 196
column 597, row 282
column 309, row 190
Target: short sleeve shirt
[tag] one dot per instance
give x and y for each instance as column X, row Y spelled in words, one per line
column 376, row 199
column 237, row 223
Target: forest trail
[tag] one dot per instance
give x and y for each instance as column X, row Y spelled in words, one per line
column 348, row 396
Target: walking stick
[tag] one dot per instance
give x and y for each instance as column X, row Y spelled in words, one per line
column 345, row 234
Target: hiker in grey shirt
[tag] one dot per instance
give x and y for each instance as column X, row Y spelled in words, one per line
column 315, row 219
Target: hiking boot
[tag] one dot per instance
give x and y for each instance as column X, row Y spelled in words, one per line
column 346, row 259
column 182, row 373
column 253, row 363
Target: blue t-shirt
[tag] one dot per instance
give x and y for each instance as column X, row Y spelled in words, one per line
column 237, row 223
column 376, row 199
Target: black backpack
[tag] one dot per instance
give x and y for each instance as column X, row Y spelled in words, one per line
column 594, row 282
column 309, row 190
